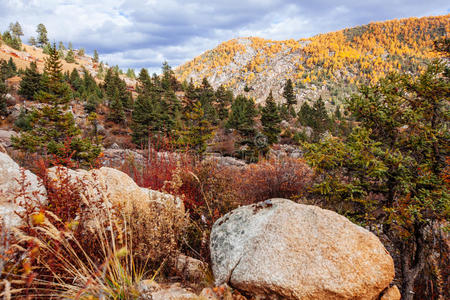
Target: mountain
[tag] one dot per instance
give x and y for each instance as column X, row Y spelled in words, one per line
column 329, row 65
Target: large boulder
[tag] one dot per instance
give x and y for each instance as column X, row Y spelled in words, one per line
column 295, row 251
column 154, row 220
column 18, row 187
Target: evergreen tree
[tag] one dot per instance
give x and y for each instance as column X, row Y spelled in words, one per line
column 145, row 119
column 391, row 171
column 16, row 29
column 70, row 57
column 116, row 113
column 270, row 119
column 207, row 98
column 8, row 69
column 288, row 94
column 145, row 85
column 30, row 83
column 42, row 38
column 75, row 80
column 224, row 99
column 32, row 41
column 242, row 116
column 91, row 104
column 197, row 131
column 53, row 126
column 81, row 52
column 95, row 58
column 3, row 91
column 131, row 74
column 61, row 46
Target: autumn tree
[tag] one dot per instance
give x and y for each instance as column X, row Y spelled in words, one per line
column 53, row 126
column 391, row 169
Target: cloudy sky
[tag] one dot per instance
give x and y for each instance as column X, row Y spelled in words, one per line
column 144, row 33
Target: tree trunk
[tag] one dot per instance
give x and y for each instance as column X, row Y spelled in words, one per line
column 412, row 261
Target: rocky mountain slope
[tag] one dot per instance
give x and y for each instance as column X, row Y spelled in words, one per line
column 330, row 65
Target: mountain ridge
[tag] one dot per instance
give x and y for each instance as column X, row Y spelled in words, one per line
column 329, row 64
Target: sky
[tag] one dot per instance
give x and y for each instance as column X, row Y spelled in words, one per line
column 144, row 33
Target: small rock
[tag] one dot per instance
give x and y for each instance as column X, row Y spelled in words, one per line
column 174, row 292
column 391, row 293
column 190, row 268
column 114, row 146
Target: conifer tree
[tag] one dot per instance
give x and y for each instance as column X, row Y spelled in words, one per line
column 392, row 171
column 197, row 130
column 95, row 58
column 70, row 57
column 270, row 119
column 116, row 112
column 16, row 29
column 75, row 80
column 32, row 41
column 3, row 91
column 242, row 116
column 52, row 125
column 288, row 94
column 30, row 83
column 224, row 99
column 42, row 38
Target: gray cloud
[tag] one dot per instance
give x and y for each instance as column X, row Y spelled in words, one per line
column 144, row 33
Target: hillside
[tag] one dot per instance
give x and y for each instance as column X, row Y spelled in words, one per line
column 29, row 54
column 330, row 64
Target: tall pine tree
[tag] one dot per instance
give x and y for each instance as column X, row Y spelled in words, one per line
column 53, row 125
column 30, row 83
column 270, row 119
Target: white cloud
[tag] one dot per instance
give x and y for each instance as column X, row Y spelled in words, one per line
column 136, row 33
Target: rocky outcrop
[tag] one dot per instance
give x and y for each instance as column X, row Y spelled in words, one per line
column 295, row 251
column 18, row 187
column 113, row 184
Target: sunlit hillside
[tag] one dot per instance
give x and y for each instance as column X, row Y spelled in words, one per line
column 330, row 64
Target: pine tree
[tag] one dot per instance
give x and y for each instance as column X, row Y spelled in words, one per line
column 95, row 58
column 53, row 126
column 131, row 74
column 16, row 29
column 224, row 99
column 116, row 113
column 288, row 94
column 8, row 69
column 32, row 41
column 70, row 57
column 31, row 82
column 270, row 119
column 3, row 91
column 392, row 171
column 145, row 119
column 242, row 116
column 42, row 38
column 75, row 80
column 197, row 131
